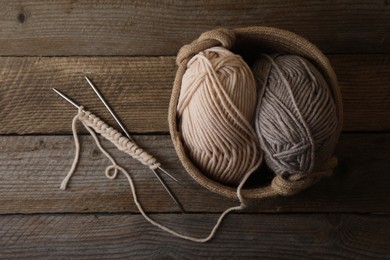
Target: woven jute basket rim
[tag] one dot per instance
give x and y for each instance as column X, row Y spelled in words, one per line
column 257, row 37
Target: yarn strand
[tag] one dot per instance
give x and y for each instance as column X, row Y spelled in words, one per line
column 76, row 155
column 117, row 168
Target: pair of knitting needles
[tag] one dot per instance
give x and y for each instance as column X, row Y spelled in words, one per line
column 128, row 136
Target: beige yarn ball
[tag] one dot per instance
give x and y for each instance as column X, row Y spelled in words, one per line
column 296, row 118
column 215, row 113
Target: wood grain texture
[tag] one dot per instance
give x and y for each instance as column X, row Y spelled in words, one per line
column 40, row 221
column 150, row 27
column 139, row 90
column 32, row 168
column 365, row 87
column 247, row 236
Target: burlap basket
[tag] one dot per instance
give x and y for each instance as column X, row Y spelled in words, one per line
column 247, row 42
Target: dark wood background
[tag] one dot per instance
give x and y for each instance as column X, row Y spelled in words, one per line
column 128, row 48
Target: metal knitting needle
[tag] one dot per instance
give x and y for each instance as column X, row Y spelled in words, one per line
column 66, row 98
column 173, row 197
column 119, row 122
column 108, row 108
column 154, row 171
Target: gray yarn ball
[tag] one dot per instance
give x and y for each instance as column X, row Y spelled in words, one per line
column 296, row 118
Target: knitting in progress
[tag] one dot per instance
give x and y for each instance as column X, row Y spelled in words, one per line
column 215, row 112
column 92, row 123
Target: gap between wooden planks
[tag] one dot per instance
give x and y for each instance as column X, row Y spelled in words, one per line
column 138, row 28
column 246, row 235
column 32, row 168
column 139, row 89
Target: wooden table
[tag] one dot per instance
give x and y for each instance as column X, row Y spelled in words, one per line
column 128, row 48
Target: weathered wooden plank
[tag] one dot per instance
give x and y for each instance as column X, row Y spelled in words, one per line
column 294, row 236
column 161, row 27
column 139, row 91
column 32, row 168
column 364, row 105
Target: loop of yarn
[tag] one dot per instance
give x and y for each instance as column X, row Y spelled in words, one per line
column 215, row 111
column 296, row 118
column 111, row 174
